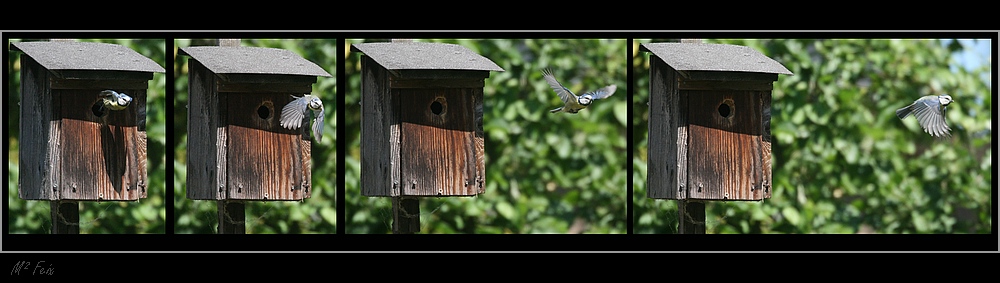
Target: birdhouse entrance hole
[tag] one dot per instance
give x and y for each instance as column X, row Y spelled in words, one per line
column 264, row 110
column 726, row 108
column 439, row 106
column 97, row 109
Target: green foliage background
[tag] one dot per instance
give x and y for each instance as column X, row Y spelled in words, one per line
column 145, row 216
column 842, row 161
column 317, row 214
column 545, row 172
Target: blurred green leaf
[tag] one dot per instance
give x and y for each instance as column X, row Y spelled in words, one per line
column 792, row 215
column 506, row 210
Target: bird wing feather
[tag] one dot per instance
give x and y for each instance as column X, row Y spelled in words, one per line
column 317, row 125
column 931, row 117
column 604, row 92
column 567, row 96
column 293, row 112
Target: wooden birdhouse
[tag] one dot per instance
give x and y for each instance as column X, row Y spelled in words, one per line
column 70, row 147
column 422, row 119
column 709, row 121
column 237, row 149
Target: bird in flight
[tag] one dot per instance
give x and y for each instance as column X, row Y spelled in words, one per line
column 294, row 113
column 929, row 111
column 572, row 103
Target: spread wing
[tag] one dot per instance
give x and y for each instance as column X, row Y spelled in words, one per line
column 293, row 113
column 108, row 93
column 603, row 92
column 317, row 126
column 567, row 96
column 930, row 115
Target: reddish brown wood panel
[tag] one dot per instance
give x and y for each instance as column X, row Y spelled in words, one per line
column 143, row 159
column 99, row 154
column 140, row 144
column 437, row 146
column 766, row 143
column 305, row 145
column 725, row 148
column 480, row 146
column 264, row 160
column 39, row 132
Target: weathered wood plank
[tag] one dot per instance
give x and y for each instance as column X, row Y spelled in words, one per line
column 289, row 88
column 206, row 138
column 264, row 160
column 65, row 217
column 99, row 84
column 728, row 76
column 232, row 213
column 266, row 79
column 725, row 145
column 220, row 115
column 437, row 142
column 667, row 134
column 143, row 181
column 766, row 145
column 39, row 131
column 725, row 85
column 99, row 155
column 229, row 42
column 304, row 190
column 140, row 144
column 405, row 215
column 691, row 214
column 683, row 141
column 441, row 74
column 232, row 217
column 436, row 83
column 379, row 133
column 102, row 75
column 480, row 152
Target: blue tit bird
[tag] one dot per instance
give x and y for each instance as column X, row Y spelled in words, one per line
column 110, row 100
column 294, row 113
column 929, row 111
column 571, row 102
column 114, row 100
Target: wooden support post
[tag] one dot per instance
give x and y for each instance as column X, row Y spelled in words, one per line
column 692, row 217
column 405, row 215
column 691, row 214
column 65, row 214
column 65, row 217
column 405, row 211
column 232, row 216
column 229, row 42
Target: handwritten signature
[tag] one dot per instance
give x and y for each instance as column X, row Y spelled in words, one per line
column 39, row 268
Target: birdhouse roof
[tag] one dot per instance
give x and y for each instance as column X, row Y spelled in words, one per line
column 425, row 56
column 73, row 55
column 253, row 60
column 714, row 57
